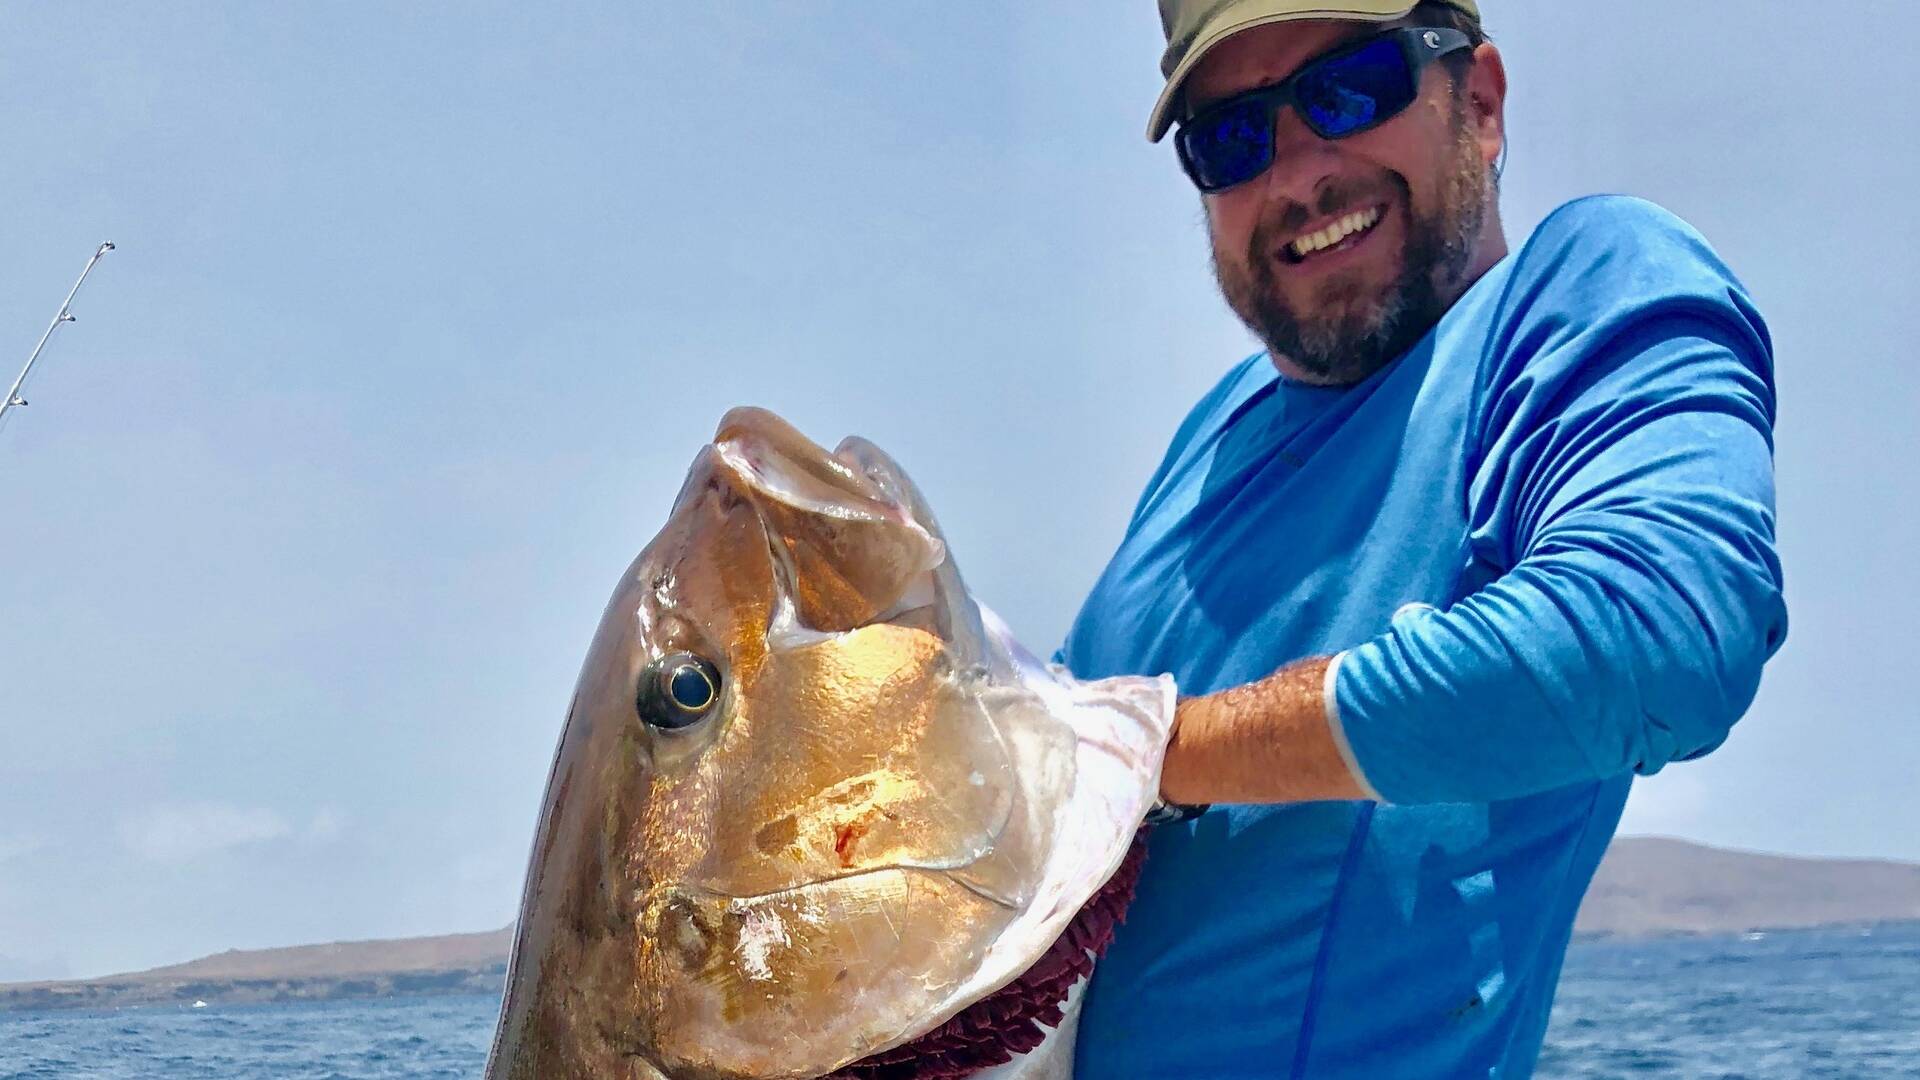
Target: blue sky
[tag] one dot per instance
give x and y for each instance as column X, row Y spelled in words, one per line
column 420, row 312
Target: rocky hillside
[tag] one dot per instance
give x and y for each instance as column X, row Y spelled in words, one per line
column 1650, row 886
column 450, row 964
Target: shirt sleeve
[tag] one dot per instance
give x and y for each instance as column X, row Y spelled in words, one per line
column 1623, row 478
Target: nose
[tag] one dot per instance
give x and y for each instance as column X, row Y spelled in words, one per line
column 1302, row 160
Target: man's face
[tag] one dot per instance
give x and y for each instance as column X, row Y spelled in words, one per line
column 1338, row 314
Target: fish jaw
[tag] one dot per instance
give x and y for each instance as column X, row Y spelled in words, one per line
column 847, row 550
column 796, row 983
column 947, row 609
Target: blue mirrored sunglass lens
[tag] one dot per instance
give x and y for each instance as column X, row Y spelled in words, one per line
column 1343, row 95
column 1230, row 145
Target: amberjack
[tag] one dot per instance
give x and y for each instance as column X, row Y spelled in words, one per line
column 813, row 807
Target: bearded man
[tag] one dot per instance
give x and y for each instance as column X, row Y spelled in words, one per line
column 1481, row 534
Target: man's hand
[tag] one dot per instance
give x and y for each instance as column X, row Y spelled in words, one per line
column 1270, row 741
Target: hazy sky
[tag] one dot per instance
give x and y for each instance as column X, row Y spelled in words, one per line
column 421, row 310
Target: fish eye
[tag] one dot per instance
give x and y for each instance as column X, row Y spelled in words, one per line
column 678, row 690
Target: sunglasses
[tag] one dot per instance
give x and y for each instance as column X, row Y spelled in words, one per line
column 1341, row 93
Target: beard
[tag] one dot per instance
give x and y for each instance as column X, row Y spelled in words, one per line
column 1352, row 328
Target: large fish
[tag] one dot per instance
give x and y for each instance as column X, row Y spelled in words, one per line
column 812, row 807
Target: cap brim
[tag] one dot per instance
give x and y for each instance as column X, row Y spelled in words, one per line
column 1249, row 16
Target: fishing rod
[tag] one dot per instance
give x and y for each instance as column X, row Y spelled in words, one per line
column 65, row 316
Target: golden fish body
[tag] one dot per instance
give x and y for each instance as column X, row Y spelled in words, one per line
column 809, row 801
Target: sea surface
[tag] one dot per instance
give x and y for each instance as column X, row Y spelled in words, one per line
column 1793, row 1004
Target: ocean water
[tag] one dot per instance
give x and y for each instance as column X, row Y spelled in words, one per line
column 442, row 1037
column 1842, row 1004
column 1802, row 1004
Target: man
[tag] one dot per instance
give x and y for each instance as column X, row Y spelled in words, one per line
column 1481, row 534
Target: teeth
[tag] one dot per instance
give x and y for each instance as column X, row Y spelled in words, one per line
column 1359, row 221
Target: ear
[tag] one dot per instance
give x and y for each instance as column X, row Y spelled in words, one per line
column 1486, row 91
column 846, row 549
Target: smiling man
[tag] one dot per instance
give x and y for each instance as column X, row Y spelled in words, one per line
column 1481, row 534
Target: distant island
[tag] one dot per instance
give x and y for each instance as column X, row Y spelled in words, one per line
column 1646, row 887
column 410, row 967
column 1649, row 886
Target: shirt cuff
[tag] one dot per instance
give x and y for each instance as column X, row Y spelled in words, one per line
column 1330, row 702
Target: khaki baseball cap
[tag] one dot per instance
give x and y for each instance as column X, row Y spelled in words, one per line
column 1194, row 27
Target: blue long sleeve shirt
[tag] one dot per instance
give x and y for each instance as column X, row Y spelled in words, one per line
column 1542, row 545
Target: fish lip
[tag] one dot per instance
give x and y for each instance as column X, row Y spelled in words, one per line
column 746, row 449
column 858, row 498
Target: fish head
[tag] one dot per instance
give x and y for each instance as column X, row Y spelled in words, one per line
column 787, row 821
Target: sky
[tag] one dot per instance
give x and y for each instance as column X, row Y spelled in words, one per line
column 420, row 312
